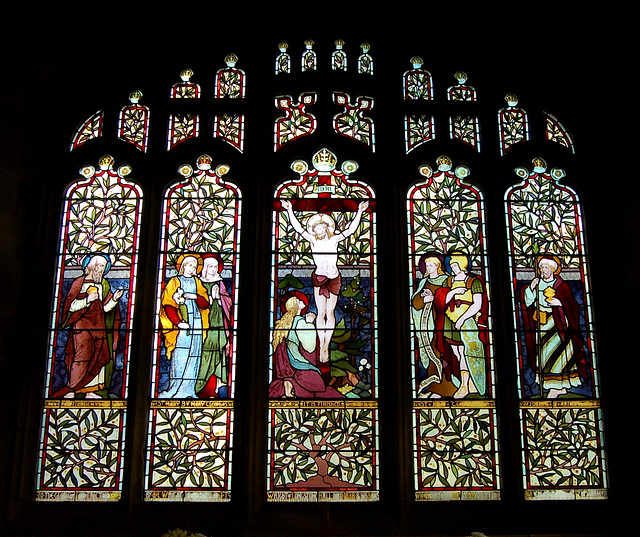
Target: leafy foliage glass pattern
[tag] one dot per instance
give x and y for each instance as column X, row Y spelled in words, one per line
column 321, row 449
column 189, row 447
column 82, row 441
column 563, row 450
column 90, row 129
column 456, row 448
column 82, row 450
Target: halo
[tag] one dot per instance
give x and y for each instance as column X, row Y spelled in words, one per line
column 89, row 257
column 422, row 263
column 321, row 218
column 182, row 257
column 298, row 294
column 447, row 261
column 553, row 258
column 217, row 257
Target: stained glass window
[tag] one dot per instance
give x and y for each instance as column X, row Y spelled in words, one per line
column 82, row 437
column 560, row 415
column 185, row 89
column 133, row 122
column 190, row 432
column 323, row 410
column 339, row 57
column 365, row 61
column 309, row 57
column 230, row 81
column 297, row 122
column 309, row 359
column 464, row 128
column 283, row 61
column 418, row 130
column 183, row 126
column 89, row 129
column 557, row 132
column 454, row 411
column 352, row 122
column 513, row 124
column 417, row 82
column 230, row 128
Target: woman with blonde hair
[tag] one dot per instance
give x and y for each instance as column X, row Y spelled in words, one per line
column 465, row 326
column 294, row 344
column 184, row 319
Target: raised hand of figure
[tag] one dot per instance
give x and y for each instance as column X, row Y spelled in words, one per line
column 118, row 294
column 534, row 283
column 286, row 204
column 363, row 206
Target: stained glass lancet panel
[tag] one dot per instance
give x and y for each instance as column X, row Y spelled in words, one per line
column 283, row 60
column 230, row 81
column 133, row 122
column 513, row 124
column 230, row 84
column 454, row 411
column 309, row 57
column 339, row 57
column 464, row 128
column 190, row 434
column 365, row 61
column 417, row 82
column 183, row 126
column 561, row 421
column 323, row 409
column 82, row 437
